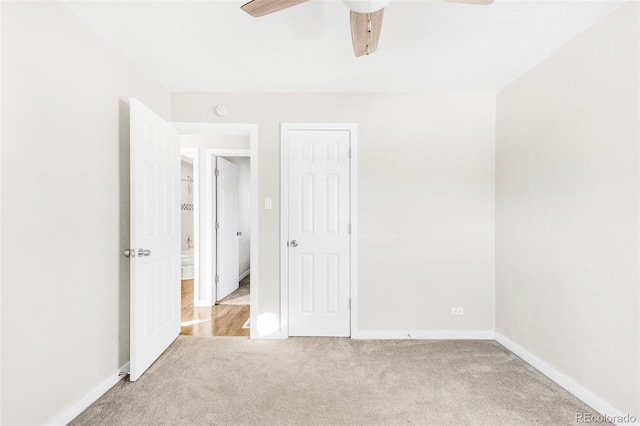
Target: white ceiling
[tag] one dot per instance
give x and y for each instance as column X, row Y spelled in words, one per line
column 425, row 46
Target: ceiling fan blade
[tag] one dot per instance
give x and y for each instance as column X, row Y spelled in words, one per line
column 258, row 8
column 480, row 2
column 365, row 31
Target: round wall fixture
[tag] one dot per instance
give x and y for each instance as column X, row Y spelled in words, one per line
column 221, row 110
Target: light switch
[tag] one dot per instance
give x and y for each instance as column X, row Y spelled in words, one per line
column 268, row 205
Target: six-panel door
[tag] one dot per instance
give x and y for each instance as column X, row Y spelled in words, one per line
column 155, row 237
column 319, row 266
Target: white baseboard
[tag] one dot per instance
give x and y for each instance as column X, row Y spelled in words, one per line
column 583, row 394
column 79, row 406
column 423, row 334
column 244, row 275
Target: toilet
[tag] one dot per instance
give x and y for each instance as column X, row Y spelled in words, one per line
column 186, row 262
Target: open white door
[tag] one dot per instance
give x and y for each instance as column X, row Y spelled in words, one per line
column 227, row 224
column 318, row 232
column 155, row 237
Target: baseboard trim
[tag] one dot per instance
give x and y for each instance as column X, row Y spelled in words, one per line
column 423, row 335
column 79, row 406
column 583, row 394
column 244, row 275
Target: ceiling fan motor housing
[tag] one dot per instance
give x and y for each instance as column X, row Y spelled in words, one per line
column 366, row 6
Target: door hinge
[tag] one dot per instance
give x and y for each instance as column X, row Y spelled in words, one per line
column 217, row 279
column 217, row 225
column 217, row 172
column 349, row 228
column 349, row 304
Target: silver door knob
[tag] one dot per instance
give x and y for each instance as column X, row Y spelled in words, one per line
column 293, row 243
column 142, row 252
column 130, row 253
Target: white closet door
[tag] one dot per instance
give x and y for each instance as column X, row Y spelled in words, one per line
column 318, row 232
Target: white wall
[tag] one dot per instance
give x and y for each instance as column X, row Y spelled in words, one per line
column 244, row 195
column 187, row 193
column 65, row 179
column 567, row 210
column 426, row 199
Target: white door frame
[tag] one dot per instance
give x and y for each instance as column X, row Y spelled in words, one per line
column 284, row 218
column 250, row 130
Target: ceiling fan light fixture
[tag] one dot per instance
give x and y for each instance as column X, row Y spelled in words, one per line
column 366, row 6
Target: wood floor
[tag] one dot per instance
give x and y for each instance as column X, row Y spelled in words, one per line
column 217, row 320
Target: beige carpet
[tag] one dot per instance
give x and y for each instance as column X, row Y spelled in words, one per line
column 335, row 381
column 240, row 296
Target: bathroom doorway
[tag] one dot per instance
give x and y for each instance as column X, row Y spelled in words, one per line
column 188, row 211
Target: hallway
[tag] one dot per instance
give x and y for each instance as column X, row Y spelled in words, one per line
column 226, row 318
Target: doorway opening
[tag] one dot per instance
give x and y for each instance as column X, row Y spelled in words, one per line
column 233, row 242
column 229, row 316
column 219, row 298
column 189, row 230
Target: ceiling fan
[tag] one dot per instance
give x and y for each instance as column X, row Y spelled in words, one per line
column 366, row 18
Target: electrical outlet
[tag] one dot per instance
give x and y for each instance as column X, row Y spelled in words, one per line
column 457, row 311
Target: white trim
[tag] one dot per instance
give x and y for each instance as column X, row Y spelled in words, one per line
column 425, row 334
column 92, row 396
column 580, row 392
column 209, row 231
column 254, row 238
column 244, row 275
column 284, row 223
column 250, row 130
column 243, row 152
column 191, row 128
column 353, row 176
column 284, row 220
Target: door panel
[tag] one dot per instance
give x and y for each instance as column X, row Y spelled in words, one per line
column 319, row 266
column 227, row 240
column 155, row 224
